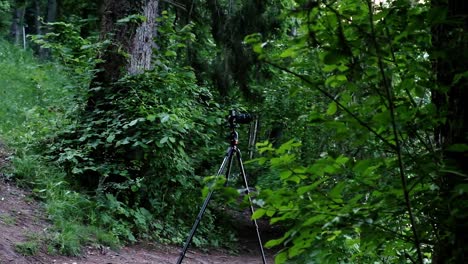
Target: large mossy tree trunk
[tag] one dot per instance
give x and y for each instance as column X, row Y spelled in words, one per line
column 450, row 56
column 130, row 44
column 142, row 42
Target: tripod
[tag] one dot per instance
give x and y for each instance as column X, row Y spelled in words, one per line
column 226, row 165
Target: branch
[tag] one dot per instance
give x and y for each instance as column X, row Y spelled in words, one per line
column 395, row 133
column 340, row 105
column 178, row 5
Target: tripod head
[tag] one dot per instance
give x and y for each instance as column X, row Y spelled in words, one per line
column 233, row 119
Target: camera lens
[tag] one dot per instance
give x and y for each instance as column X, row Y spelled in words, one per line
column 243, row 118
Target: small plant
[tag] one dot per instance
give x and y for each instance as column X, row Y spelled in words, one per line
column 31, row 246
column 28, row 248
column 7, row 219
column 69, row 240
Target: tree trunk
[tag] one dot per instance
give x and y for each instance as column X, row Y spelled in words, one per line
column 450, row 99
column 131, row 44
column 37, row 17
column 143, row 44
column 51, row 16
column 51, row 11
column 17, row 24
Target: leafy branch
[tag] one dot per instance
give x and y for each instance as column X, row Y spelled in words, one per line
column 338, row 103
column 395, row 133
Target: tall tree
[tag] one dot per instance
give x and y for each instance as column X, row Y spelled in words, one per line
column 130, row 35
column 450, row 54
column 37, row 17
column 17, row 24
column 51, row 10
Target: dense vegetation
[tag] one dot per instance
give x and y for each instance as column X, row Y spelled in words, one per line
column 363, row 121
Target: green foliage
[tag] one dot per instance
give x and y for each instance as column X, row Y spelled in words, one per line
column 350, row 167
column 7, row 219
column 332, row 209
column 71, row 213
column 35, row 102
column 34, row 96
column 29, row 248
column 137, row 150
column 66, row 43
column 358, row 107
column 5, row 16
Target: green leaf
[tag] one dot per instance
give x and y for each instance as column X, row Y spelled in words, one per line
column 274, row 242
column 285, row 174
column 337, row 191
column 459, row 76
column 341, row 77
column 296, row 179
column 281, row 257
column 335, row 234
column 164, row 140
column 343, row 68
column 304, row 189
column 133, row 122
column 164, row 118
column 257, row 48
column 270, row 212
column 291, row 52
column 136, row 18
column 263, row 144
column 110, row 138
column 342, row 160
column 253, row 38
column 332, row 107
column 329, row 68
column 258, row 213
column 170, row 53
column 151, row 118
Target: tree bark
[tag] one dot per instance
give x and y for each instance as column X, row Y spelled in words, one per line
column 51, row 11
column 110, row 70
column 130, row 48
column 37, row 17
column 143, row 44
column 17, row 24
column 450, row 98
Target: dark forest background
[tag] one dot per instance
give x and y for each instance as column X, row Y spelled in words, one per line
column 116, row 112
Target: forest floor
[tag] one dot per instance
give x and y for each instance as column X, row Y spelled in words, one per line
column 22, row 219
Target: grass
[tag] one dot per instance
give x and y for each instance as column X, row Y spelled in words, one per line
column 35, row 97
column 31, row 246
column 71, row 212
column 7, row 219
column 28, row 248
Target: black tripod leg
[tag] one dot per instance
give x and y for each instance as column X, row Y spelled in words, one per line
column 226, row 162
column 252, row 211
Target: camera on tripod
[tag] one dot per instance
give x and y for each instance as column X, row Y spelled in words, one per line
column 238, row 118
column 233, row 118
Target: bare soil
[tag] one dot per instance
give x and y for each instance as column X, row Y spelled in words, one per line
column 22, row 219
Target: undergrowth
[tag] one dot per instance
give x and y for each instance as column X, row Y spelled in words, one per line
column 36, row 97
column 119, row 174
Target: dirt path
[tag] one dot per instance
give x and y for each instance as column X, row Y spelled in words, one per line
column 22, row 219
